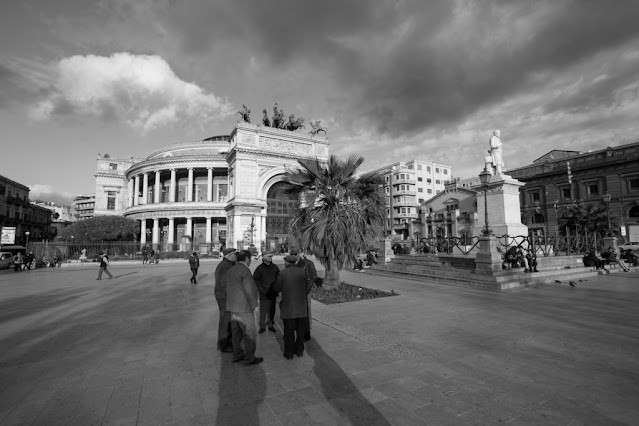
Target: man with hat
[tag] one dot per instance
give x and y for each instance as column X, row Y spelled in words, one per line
column 311, row 275
column 241, row 302
column 265, row 276
column 224, row 342
column 292, row 282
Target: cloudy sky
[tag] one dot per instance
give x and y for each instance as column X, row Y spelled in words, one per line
column 391, row 80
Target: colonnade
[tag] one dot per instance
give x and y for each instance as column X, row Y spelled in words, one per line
column 138, row 196
column 153, row 232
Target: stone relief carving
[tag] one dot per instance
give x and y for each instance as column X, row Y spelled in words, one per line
column 248, row 139
column 321, row 150
column 264, row 169
column 285, row 146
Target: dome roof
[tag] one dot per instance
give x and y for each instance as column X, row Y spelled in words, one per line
column 213, row 146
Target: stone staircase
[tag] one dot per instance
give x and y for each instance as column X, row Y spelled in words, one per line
column 460, row 271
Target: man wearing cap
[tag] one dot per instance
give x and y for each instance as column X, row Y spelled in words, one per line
column 241, row 302
column 311, row 275
column 292, row 282
column 224, row 343
column 265, row 276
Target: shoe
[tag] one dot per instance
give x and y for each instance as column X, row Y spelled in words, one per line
column 535, row 270
column 195, row 281
column 256, row 360
column 526, row 270
column 307, row 336
column 261, row 330
column 226, row 350
column 238, row 359
column 299, row 354
column 288, row 356
column 271, row 328
column 98, row 279
column 191, row 280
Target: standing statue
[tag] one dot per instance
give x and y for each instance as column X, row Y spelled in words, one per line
column 278, row 117
column 246, row 114
column 293, row 123
column 316, row 128
column 265, row 120
column 495, row 161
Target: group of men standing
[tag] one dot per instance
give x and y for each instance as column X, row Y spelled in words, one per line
column 239, row 293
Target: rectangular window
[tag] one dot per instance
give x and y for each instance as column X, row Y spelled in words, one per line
column 420, row 189
column 565, row 192
column 113, row 166
column 436, row 169
column 428, row 168
column 429, row 180
column 421, row 200
column 438, row 181
column 110, row 200
column 437, row 192
column 593, row 189
column 410, row 167
column 430, row 191
column 386, row 178
column 420, row 179
column 633, row 184
column 445, row 171
column 535, row 196
column 419, row 167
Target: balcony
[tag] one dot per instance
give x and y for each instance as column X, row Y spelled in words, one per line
column 401, row 226
column 410, row 181
column 404, row 192
column 407, row 215
column 405, row 203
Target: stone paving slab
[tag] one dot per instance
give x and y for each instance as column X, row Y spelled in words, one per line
column 140, row 349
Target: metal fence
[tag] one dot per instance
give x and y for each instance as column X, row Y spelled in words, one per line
column 48, row 251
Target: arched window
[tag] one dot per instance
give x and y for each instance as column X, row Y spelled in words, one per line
column 634, row 212
column 537, row 218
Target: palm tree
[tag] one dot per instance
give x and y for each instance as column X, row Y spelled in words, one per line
column 587, row 218
column 340, row 213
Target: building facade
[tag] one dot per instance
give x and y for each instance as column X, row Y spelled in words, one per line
column 451, row 213
column 84, row 206
column 563, row 178
column 19, row 215
column 406, row 186
column 222, row 191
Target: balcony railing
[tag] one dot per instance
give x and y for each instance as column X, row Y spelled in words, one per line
column 404, row 192
column 398, row 181
column 405, row 215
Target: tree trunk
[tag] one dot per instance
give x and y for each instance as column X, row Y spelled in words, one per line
column 331, row 279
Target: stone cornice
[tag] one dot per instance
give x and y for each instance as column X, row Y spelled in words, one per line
column 166, row 163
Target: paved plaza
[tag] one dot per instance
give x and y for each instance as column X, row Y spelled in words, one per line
column 141, row 349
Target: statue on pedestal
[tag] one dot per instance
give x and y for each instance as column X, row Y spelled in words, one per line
column 494, row 161
column 278, row 117
column 246, row 114
column 294, row 123
column 316, row 128
column 265, row 120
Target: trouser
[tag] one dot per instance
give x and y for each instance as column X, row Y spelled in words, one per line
column 194, row 273
column 104, row 270
column 267, row 312
column 17, row 267
column 623, row 265
column 224, row 326
column 309, row 320
column 294, row 329
column 243, row 331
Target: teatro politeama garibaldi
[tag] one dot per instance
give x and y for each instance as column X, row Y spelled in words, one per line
column 219, row 191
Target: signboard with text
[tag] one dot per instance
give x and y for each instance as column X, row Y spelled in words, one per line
column 8, row 235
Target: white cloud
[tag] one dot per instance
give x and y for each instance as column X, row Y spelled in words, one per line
column 49, row 193
column 141, row 90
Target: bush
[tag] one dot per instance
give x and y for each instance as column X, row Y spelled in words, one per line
column 347, row 293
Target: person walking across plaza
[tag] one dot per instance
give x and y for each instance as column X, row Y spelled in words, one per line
column 224, row 343
column 104, row 263
column 265, row 276
column 194, row 264
column 311, row 275
column 18, row 260
column 241, row 302
column 145, row 256
column 294, row 285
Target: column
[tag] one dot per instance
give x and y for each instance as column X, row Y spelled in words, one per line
column 156, row 233
column 171, row 236
column 189, row 227
column 143, row 231
column 145, row 188
column 136, row 191
column 172, row 194
column 130, row 194
column 158, row 189
column 189, row 188
column 262, row 234
column 209, row 186
column 208, row 230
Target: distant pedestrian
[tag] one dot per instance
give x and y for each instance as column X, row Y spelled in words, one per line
column 242, row 302
column 194, row 264
column 145, row 256
column 294, row 285
column 370, row 258
column 28, row 258
column 104, row 263
column 18, row 260
column 224, row 343
column 152, row 256
column 265, row 276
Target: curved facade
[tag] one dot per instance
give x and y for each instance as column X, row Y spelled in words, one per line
column 210, row 192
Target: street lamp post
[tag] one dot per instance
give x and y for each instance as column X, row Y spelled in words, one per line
column 27, row 234
column 484, row 177
column 252, row 227
column 606, row 200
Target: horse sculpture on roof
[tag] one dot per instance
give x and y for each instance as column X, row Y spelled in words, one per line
column 246, row 114
column 316, row 127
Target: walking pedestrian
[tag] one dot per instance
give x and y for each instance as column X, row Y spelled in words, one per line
column 194, row 264
column 295, row 286
column 241, row 302
column 145, row 256
column 311, row 275
column 18, row 260
column 104, row 263
column 265, row 276
column 224, row 342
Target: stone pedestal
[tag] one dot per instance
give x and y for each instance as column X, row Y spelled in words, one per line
column 386, row 251
column 504, row 212
column 488, row 259
column 611, row 242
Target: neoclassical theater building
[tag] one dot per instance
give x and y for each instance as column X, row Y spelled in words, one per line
column 222, row 190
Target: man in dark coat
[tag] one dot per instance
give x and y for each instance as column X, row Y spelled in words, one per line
column 241, row 302
column 194, row 264
column 224, row 342
column 265, row 276
column 311, row 275
column 292, row 282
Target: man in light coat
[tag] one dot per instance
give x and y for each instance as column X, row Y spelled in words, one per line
column 224, row 327
column 241, row 302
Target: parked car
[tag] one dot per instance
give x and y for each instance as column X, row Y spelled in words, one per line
column 634, row 246
column 6, row 260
